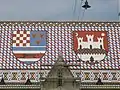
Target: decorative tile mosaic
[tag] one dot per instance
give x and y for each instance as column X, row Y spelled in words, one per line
column 59, row 41
column 93, row 75
column 21, row 76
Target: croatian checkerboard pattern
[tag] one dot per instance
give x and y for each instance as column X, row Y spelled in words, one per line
column 21, row 38
column 59, row 41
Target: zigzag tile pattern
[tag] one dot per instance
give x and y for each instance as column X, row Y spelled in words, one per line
column 59, row 41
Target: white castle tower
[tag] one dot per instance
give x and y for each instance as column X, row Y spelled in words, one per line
column 90, row 38
column 93, row 49
column 90, row 43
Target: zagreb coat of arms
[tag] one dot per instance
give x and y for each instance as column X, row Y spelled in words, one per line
column 90, row 46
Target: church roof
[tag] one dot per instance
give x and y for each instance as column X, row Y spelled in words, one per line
column 59, row 40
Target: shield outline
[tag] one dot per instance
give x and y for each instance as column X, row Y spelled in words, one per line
column 73, row 41
column 39, row 57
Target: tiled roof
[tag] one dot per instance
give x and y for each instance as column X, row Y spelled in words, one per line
column 59, row 41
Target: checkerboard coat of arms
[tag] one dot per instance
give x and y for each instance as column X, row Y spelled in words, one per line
column 90, row 46
column 28, row 46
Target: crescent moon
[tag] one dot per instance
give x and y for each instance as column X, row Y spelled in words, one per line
column 76, row 34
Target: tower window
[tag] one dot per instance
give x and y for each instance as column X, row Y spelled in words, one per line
column 59, row 82
column 90, row 39
column 80, row 46
column 60, row 73
column 59, row 77
column 91, row 59
column 101, row 47
column 90, row 46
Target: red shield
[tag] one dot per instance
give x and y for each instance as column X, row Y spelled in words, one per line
column 90, row 45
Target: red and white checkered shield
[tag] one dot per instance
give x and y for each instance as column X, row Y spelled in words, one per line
column 29, row 46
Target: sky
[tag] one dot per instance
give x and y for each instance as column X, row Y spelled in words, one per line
column 104, row 10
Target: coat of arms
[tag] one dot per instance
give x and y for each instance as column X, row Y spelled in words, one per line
column 28, row 46
column 90, row 46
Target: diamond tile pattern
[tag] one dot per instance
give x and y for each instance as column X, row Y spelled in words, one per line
column 59, row 41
